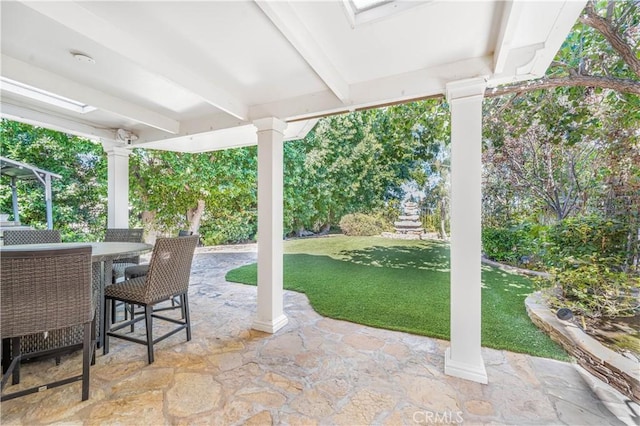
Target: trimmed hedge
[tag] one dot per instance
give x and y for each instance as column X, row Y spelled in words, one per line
column 362, row 225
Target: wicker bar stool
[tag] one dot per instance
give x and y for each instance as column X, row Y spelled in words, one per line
column 44, row 290
column 142, row 270
column 168, row 277
column 37, row 342
column 125, row 235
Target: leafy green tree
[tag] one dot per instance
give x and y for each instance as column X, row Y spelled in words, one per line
column 600, row 52
column 573, row 148
column 79, row 196
column 345, row 171
column 179, row 191
column 359, row 162
column 571, row 118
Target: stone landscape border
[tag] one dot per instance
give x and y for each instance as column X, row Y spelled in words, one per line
column 618, row 371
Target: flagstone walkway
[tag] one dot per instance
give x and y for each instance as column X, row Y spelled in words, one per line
column 314, row 371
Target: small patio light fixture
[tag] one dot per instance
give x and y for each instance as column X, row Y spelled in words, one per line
column 81, row 57
column 564, row 314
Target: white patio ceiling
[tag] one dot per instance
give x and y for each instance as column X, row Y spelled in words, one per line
column 192, row 76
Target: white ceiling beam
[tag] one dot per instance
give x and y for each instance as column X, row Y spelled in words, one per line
column 566, row 18
column 297, row 130
column 214, row 123
column 192, row 127
column 216, row 140
column 519, row 62
column 418, row 84
column 151, row 57
column 39, row 78
column 508, row 26
column 234, row 137
column 293, row 29
column 44, row 119
column 403, row 87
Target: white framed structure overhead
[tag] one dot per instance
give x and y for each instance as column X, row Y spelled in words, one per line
column 196, row 76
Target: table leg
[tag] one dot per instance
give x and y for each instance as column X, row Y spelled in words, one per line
column 97, row 286
column 105, row 269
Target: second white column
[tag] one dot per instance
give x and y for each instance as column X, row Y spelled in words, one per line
column 270, row 315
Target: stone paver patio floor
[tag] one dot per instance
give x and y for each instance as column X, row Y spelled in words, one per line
column 314, row 371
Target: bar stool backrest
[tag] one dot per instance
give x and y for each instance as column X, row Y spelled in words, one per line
column 125, row 235
column 31, row 236
column 43, row 290
column 170, row 267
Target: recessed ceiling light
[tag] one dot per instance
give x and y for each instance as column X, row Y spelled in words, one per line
column 81, row 57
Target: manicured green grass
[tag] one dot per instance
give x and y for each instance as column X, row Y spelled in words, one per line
column 403, row 285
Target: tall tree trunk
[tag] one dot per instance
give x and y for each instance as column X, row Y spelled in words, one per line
column 324, row 229
column 150, row 232
column 194, row 216
column 443, row 218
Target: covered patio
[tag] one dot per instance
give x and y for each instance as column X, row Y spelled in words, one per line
column 314, row 371
column 203, row 76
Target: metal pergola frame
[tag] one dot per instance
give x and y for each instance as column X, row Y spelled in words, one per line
column 17, row 170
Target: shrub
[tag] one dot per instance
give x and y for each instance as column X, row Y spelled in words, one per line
column 587, row 236
column 360, row 224
column 516, row 245
column 230, row 229
column 500, row 244
column 593, row 287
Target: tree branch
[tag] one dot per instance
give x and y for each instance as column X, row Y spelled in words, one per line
column 610, row 6
column 620, row 85
column 607, row 29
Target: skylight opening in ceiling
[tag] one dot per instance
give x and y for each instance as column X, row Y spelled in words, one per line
column 361, row 5
column 365, row 11
column 44, row 96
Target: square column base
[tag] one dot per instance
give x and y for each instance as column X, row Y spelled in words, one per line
column 475, row 373
column 270, row 326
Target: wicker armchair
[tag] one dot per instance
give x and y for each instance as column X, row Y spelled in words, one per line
column 168, row 277
column 43, row 290
column 125, row 235
column 31, row 236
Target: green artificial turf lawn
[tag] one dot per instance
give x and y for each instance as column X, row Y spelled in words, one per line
column 403, row 285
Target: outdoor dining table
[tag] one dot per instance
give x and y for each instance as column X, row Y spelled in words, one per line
column 102, row 256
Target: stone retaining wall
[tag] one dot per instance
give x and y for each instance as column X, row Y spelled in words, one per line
column 609, row 366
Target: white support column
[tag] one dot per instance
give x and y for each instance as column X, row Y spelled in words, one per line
column 463, row 358
column 118, row 186
column 270, row 316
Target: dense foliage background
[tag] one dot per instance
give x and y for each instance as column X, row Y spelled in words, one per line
column 561, row 167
